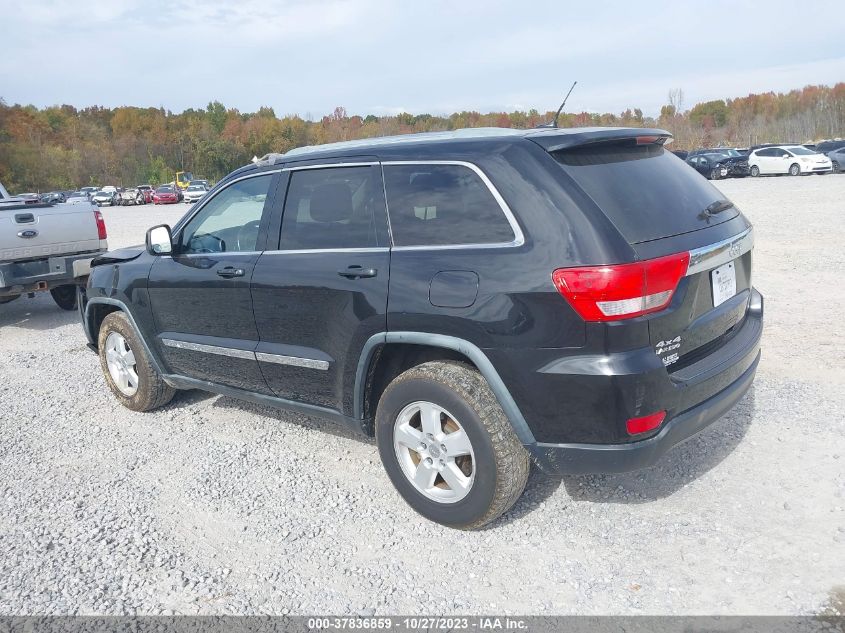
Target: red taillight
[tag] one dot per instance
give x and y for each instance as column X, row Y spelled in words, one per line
column 645, row 423
column 101, row 225
column 622, row 291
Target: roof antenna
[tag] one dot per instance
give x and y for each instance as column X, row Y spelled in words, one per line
column 553, row 122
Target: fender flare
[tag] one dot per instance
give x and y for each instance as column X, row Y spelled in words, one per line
column 154, row 359
column 474, row 353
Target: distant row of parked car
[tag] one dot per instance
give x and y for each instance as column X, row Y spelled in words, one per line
column 111, row 196
column 769, row 159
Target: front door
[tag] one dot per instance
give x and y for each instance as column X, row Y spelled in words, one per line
column 323, row 293
column 200, row 296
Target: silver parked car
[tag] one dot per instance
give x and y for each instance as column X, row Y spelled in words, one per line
column 194, row 193
column 837, row 157
column 131, row 196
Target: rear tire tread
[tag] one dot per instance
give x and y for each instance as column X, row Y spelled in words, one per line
column 513, row 463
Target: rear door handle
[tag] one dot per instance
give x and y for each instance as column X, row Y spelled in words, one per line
column 230, row 271
column 357, row 272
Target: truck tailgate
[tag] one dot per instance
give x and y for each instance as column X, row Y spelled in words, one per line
column 47, row 230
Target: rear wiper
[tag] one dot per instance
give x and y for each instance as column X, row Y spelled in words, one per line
column 716, row 207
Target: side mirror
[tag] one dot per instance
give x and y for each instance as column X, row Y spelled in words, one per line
column 159, row 241
column 786, row 156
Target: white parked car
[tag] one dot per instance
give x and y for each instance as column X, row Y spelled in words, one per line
column 794, row 160
column 105, row 198
column 194, row 193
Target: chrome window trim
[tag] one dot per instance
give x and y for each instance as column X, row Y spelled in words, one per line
column 293, row 361
column 329, row 165
column 714, row 255
column 198, row 206
column 519, row 237
column 209, row 349
column 300, row 251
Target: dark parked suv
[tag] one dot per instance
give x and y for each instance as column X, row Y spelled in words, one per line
column 476, row 300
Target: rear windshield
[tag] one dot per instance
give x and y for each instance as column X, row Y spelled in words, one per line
column 645, row 190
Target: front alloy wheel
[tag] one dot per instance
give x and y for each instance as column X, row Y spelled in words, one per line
column 128, row 370
column 434, row 452
column 121, row 363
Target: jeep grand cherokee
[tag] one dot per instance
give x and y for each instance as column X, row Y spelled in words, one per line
column 476, row 300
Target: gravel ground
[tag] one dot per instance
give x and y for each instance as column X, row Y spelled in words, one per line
column 213, row 506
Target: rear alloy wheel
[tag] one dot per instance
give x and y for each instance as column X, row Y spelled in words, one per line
column 755, row 171
column 64, row 296
column 128, row 370
column 836, row 168
column 448, row 447
column 795, row 169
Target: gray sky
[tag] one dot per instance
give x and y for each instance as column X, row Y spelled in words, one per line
column 388, row 56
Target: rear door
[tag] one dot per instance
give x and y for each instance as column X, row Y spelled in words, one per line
column 200, row 296
column 321, row 292
column 661, row 208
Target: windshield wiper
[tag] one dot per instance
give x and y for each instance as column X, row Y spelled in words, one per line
column 716, row 207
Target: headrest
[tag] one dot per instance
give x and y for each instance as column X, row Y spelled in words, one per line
column 331, row 203
column 432, row 182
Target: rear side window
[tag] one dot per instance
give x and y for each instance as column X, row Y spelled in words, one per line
column 643, row 189
column 332, row 208
column 442, row 205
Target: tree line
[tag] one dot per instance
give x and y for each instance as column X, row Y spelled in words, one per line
column 63, row 147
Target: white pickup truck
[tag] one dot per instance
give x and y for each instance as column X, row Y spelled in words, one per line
column 47, row 247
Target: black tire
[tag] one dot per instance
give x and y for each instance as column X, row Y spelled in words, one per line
column 8, row 299
column 836, row 168
column 755, row 171
column 64, row 296
column 500, row 462
column 714, row 174
column 152, row 391
column 795, row 169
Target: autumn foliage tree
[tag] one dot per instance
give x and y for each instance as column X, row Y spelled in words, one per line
column 62, row 147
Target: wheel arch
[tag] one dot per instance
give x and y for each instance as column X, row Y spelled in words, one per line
column 454, row 349
column 98, row 308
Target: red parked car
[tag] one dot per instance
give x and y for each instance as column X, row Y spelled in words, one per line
column 165, row 195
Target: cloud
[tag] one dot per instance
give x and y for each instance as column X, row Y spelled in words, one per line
column 382, row 57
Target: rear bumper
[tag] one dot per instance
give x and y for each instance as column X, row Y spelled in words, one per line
column 42, row 274
column 693, row 397
column 618, row 458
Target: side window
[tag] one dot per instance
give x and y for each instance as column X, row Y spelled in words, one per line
column 439, row 205
column 230, row 221
column 332, row 208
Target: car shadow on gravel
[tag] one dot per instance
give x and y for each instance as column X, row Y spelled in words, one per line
column 39, row 313
column 680, row 466
column 288, row 417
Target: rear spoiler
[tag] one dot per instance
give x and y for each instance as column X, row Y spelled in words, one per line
column 554, row 140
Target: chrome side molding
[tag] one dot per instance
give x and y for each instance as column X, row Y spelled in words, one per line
column 278, row 359
column 714, row 255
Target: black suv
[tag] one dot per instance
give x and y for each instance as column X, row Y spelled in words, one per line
column 475, row 300
column 719, row 163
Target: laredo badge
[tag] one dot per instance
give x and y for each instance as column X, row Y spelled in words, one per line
column 667, row 346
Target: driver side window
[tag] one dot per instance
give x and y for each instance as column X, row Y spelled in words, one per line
column 230, row 221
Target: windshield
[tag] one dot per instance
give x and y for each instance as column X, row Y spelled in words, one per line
column 800, row 151
column 196, row 188
column 635, row 185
